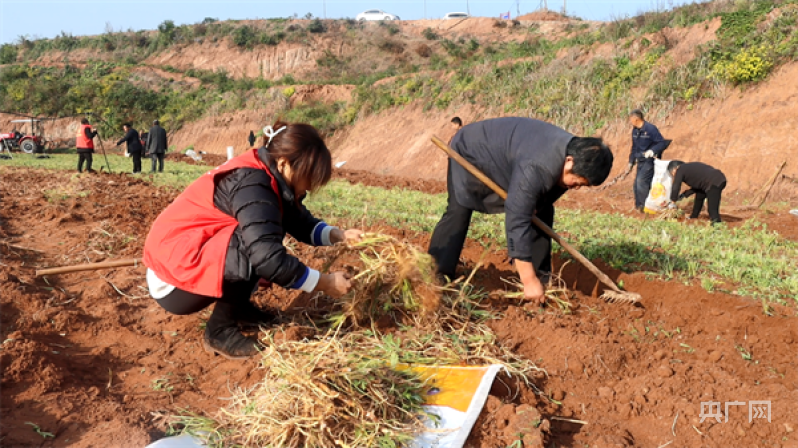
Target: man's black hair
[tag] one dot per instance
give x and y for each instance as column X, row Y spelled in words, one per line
column 457, row 121
column 156, row 123
column 84, row 120
column 126, row 124
column 674, row 164
column 592, row 159
column 637, row 113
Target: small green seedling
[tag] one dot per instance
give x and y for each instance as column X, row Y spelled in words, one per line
column 162, row 384
column 745, row 353
column 39, row 431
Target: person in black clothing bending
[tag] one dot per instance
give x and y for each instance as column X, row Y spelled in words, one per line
column 251, row 139
column 133, row 146
column 647, row 145
column 704, row 181
column 536, row 163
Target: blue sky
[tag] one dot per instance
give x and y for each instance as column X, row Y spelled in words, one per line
column 47, row 18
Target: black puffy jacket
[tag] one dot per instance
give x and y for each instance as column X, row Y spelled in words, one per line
column 256, row 247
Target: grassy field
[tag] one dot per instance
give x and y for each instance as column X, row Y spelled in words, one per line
column 176, row 174
column 757, row 262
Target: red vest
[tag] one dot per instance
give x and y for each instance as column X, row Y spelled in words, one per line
column 187, row 244
column 81, row 141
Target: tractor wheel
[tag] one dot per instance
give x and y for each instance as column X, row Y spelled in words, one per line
column 28, row 146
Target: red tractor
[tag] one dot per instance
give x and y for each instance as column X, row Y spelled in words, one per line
column 30, row 143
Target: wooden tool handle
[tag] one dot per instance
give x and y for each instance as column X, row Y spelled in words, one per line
column 535, row 220
column 89, row 267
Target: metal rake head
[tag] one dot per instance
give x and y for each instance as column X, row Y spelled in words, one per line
column 621, row 297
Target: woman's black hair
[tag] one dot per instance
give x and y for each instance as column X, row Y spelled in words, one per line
column 304, row 149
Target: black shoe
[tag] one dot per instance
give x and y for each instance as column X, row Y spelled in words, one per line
column 250, row 317
column 92, row 171
column 544, row 277
column 230, row 343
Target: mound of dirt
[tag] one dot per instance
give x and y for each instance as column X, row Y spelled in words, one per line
column 311, row 93
column 372, row 180
column 544, row 16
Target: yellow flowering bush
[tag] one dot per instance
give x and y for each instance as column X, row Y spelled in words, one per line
column 749, row 65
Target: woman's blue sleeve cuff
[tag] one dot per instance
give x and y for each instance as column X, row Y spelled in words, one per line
column 308, row 281
column 320, row 236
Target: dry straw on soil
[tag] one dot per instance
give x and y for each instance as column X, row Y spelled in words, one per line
column 350, row 386
column 397, row 281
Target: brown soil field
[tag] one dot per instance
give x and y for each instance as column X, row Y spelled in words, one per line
column 90, row 358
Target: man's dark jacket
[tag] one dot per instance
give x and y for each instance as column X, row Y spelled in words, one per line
column 523, row 156
column 645, row 138
column 156, row 140
column 133, row 141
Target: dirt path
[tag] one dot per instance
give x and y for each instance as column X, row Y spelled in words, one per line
column 90, row 358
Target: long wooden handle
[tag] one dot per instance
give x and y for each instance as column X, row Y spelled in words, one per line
column 89, row 267
column 768, row 186
column 535, row 220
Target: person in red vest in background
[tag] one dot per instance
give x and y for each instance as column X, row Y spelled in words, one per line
column 84, row 141
column 225, row 233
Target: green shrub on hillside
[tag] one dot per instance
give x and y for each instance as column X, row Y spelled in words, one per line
column 244, row 36
column 736, row 26
column 429, row 34
column 316, row 26
column 8, row 54
column 324, row 117
column 166, row 33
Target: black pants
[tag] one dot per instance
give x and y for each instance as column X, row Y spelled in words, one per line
column 136, row 156
column 450, row 233
column 84, row 157
column 182, row 302
column 713, row 202
column 643, row 178
column 234, row 304
column 157, row 157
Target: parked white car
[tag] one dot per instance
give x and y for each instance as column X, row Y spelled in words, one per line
column 376, row 14
column 456, row 15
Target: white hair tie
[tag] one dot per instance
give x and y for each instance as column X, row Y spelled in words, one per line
column 268, row 131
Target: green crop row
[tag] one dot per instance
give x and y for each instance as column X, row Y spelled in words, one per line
column 756, row 261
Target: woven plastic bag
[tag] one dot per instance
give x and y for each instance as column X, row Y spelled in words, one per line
column 659, row 196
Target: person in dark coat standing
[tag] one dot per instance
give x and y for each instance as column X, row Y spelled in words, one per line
column 133, row 146
column 251, row 139
column 535, row 162
column 705, row 182
column 84, row 141
column 647, row 145
column 156, row 145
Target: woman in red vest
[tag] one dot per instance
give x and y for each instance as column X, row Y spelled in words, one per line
column 225, row 232
column 84, row 141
